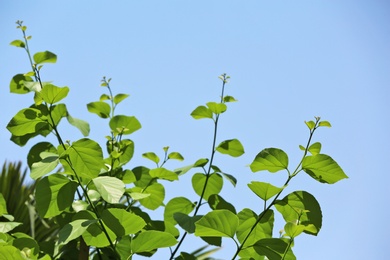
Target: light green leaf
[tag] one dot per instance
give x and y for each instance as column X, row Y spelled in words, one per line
column 138, row 195
column 122, row 222
column 323, row 168
column 270, row 159
column 119, row 98
column 34, row 155
column 231, row 147
column 110, row 188
column 100, row 108
column 156, row 198
column 94, row 236
column 79, row 205
column 151, row 156
column 104, row 97
column 324, row 123
column 79, row 124
column 315, row 148
column 310, row 124
column 45, row 57
column 175, row 156
column 178, row 204
column 48, row 163
column 17, row 85
column 186, row 222
column 10, row 252
column 214, row 184
column 201, row 162
column 150, row 240
column 202, row 112
column 162, row 173
column 86, row 157
column 263, row 229
column 6, row 227
column 18, row 43
column 216, row 108
column 302, row 206
column 3, row 206
column 124, row 124
column 219, row 223
column 73, row 230
column 293, row 230
column 27, row 121
column 52, row 94
column 264, row 190
column 54, row 194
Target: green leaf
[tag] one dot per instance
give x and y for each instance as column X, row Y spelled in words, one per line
column 104, row 97
column 100, row 108
column 202, row 112
column 272, row 248
column 178, row 204
column 216, row 108
column 303, row 207
column 293, row 230
column 73, row 230
column 3, row 206
column 79, row 124
column 264, row 190
column 10, row 252
column 27, row 121
column 110, row 188
column 310, row 124
column 119, row 98
column 52, row 94
column 48, row 163
column 323, row 168
column 175, row 156
column 201, row 162
column 229, row 99
column 6, row 227
column 124, row 124
column 231, row 147
column 263, row 229
column 220, row 223
column 229, row 177
column 45, row 57
column 156, row 198
column 217, row 202
column 151, row 156
column 315, row 148
column 324, row 123
column 79, row 205
column 54, row 194
column 94, row 236
column 34, row 155
column 214, row 184
column 122, row 222
column 18, row 43
column 162, row 173
column 150, row 240
column 17, row 85
column 186, row 222
column 270, row 159
column 86, row 157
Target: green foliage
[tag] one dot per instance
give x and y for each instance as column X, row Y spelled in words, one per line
column 99, row 208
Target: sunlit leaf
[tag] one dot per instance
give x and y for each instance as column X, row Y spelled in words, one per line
column 263, row 229
column 10, row 252
column 27, row 121
column 100, row 108
column 162, row 173
column 264, row 190
column 156, row 198
column 323, row 168
column 229, row 99
column 221, row 223
column 8, row 226
column 202, row 112
column 44, row 57
column 324, row 123
column 48, row 163
column 151, row 156
column 110, row 188
column 82, row 125
column 231, row 147
column 149, row 240
column 18, row 43
column 52, row 94
column 216, row 108
column 34, row 155
column 315, row 148
column 214, row 184
column 270, row 159
column 175, row 156
column 310, row 124
column 73, row 230
column 119, row 98
column 122, row 222
column 124, row 124
column 178, row 204
column 17, row 85
column 293, row 230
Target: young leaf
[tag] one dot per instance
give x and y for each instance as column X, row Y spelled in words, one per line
column 216, row 108
column 45, row 57
column 175, row 156
column 178, row 204
column 315, row 148
column 110, row 188
column 310, row 124
column 151, row 156
column 79, row 124
column 270, row 159
column 162, row 173
column 202, row 112
column 54, row 194
column 150, row 240
column 52, row 94
column 324, row 123
column 302, row 206
column 27, row 121
column 124, row 124
column 100, row 108
column 231, row 147
column 122, row 222
column 119, row 97
column 18, row 43
column 220, row 223
column 323, row 168
column 229, row 99
column 264, row 190
column 201, row 162
column 214, row 184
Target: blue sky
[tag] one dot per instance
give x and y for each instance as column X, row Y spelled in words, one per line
column 288, row 62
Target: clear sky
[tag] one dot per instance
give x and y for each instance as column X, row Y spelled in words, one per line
column 288, row 60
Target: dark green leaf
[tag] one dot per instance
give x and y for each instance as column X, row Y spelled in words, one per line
column 270, row 159
column 100, row 108
column 35, row 151
column 229, row 99
column 231, row 147
column 201, row 162
column 220, row 223
column 272, row 248
column 323, row 168
column 186, row 222
column 214, row 184
column 45, row 57
column 217, row 202
column 18, row 43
